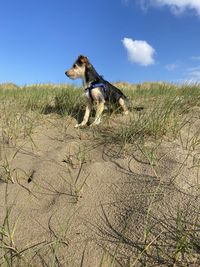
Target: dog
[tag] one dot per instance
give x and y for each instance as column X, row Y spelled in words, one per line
column 97, row 90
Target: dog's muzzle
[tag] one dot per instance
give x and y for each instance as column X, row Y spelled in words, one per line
column 69, row 75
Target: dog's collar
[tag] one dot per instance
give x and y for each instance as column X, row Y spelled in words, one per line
column 95, row 85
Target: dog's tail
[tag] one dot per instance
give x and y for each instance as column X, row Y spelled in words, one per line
column 130, row 106
column 128, row 102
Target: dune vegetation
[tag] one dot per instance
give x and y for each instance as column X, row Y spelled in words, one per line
column 123, row 193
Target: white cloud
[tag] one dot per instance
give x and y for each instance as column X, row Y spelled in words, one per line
column 194, row 74
column 139, row 52
column 176, row 6
column 195, row 58
column 171, row 67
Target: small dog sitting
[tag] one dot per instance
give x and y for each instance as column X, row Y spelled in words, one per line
column 97, row 89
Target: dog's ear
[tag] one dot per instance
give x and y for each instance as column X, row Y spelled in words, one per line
column 83, row 60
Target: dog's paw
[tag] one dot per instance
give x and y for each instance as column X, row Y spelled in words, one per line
column 79, row 125
column 96, row 122
column 93, row 125
column 126, row 112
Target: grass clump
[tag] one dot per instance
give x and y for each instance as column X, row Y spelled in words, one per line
column 163, row 112
column 41, row 97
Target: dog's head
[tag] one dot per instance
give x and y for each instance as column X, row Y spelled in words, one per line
column 78, row 68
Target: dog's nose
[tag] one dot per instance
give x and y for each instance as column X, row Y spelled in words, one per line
column 66, row 73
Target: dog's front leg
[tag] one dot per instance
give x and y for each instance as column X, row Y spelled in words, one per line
column 86, row 116
column 100, row 109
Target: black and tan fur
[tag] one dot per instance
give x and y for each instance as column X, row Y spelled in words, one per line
column 83, row 69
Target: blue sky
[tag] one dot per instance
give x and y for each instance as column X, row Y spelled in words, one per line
column 126, row 40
